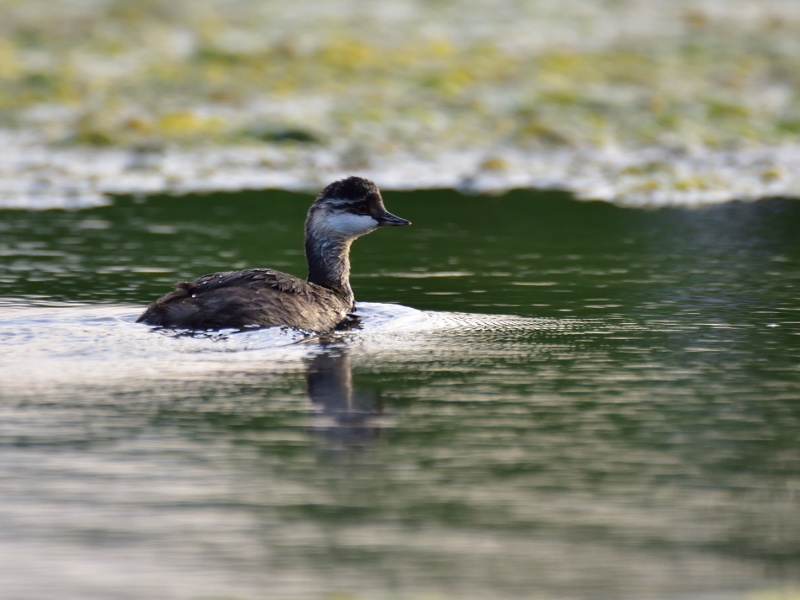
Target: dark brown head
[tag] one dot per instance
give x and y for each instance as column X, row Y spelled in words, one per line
column 349, row 208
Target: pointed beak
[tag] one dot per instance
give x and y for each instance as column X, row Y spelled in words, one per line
column 387, row 219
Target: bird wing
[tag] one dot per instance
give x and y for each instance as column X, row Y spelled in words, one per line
column 253, row 278
column 254, row 297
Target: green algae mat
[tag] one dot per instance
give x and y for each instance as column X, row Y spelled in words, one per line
column 637, row 102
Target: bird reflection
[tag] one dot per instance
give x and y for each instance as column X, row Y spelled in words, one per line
column 344, row 414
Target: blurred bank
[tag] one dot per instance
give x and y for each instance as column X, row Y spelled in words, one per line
column 639, row 102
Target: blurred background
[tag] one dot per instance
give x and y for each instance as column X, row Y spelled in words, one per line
column 637, row 101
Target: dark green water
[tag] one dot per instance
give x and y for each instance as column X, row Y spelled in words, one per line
column 634, row 435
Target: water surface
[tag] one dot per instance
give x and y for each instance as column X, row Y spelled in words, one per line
column 546, row 399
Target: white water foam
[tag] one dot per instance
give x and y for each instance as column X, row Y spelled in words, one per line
column 46, row 347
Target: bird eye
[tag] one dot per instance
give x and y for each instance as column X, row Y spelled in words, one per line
column 362, row 211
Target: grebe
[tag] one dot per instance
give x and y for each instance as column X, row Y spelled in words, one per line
column 344, row 210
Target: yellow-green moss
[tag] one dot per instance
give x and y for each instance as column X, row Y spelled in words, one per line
column 145, row 71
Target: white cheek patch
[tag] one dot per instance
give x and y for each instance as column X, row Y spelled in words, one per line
column 349, row 225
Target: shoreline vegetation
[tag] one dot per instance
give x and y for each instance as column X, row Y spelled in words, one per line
column 637, row 102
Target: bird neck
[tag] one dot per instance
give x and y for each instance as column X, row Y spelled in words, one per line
column 329, row 263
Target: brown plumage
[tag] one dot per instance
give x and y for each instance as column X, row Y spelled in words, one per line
column 342, row 212
column 250, row 298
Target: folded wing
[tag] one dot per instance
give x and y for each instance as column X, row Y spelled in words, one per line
column 250, row 298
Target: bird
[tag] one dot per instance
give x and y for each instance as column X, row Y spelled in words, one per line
column 257, row 298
